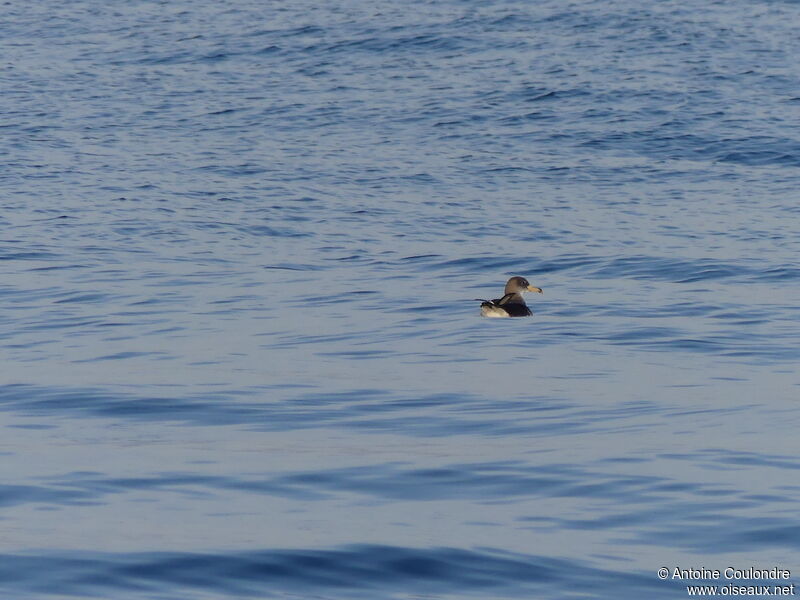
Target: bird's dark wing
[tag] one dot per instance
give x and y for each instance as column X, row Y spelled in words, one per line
column 517, row 310
column 503, row 300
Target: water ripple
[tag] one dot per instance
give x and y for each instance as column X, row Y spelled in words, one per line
column 350, row 572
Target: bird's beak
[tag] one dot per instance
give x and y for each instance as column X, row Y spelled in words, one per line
column 534, row 289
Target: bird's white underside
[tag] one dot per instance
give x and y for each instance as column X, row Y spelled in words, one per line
column 491, row 311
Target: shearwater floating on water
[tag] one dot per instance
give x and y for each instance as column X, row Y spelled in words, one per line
column 512, row 303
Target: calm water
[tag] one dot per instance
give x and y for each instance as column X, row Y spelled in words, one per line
column 241, row 241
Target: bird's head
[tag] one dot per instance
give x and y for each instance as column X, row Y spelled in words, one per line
column 517, row 285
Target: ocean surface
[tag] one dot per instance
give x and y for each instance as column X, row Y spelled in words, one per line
column 240, row 355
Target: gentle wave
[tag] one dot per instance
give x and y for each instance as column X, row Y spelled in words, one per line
column 352, row 572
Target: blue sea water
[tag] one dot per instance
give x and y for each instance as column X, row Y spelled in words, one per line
column 240, row 247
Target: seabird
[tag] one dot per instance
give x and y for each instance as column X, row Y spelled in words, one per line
column 511, row 304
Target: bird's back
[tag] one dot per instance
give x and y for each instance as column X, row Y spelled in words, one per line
column 510, row 305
